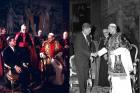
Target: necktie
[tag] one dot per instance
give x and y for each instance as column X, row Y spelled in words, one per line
column 13, row 49
column 87, row 40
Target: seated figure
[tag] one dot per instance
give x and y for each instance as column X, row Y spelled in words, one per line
column 17, row 70
column 51, row 60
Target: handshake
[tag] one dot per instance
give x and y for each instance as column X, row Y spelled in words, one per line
column 94, row 54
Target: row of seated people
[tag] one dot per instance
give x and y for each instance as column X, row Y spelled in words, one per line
column 45, row 64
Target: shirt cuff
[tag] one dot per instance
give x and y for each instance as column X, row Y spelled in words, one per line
column 102, row 52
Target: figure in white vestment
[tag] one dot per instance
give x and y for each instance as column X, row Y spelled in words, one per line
column 119, row 63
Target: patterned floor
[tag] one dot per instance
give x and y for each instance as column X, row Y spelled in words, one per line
column 58, row 89
column 95, row 89
column 46, row 88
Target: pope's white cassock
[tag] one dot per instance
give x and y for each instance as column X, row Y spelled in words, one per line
column 120, row 84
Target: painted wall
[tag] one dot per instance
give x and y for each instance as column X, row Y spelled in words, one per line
column 53, row 13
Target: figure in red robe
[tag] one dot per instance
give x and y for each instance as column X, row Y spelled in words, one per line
column 27, row 54
column 51, row 53
column 3, row 44
column 25, row 45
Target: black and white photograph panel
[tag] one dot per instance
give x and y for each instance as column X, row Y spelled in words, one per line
column 34, row 46
column 104, row 46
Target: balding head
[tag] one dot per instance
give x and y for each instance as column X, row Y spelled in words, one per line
column 23, row 28
column 39, row 32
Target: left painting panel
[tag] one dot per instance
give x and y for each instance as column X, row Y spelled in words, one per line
column 34, row 46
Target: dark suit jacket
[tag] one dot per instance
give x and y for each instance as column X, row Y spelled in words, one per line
column 81, row 51
column 103, row 66
column 11, row 57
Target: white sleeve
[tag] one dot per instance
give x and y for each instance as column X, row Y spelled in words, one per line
column 129, row 60
column 102, row 51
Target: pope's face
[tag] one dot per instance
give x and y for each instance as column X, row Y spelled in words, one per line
column 50, row 38
column 112, row 30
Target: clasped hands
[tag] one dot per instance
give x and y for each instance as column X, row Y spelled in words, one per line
column 42, row 55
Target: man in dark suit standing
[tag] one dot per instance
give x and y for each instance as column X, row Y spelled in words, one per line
column 11, row 58
column 82, row 56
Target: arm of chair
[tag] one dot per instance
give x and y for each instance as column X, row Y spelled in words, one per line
column 136, row 60
column 71, row 60
column 136, row 53
column 6, row 66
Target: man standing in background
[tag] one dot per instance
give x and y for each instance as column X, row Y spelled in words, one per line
column 103, row 67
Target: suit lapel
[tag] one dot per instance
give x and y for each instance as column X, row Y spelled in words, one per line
column 85, row 42
column 13, row 51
